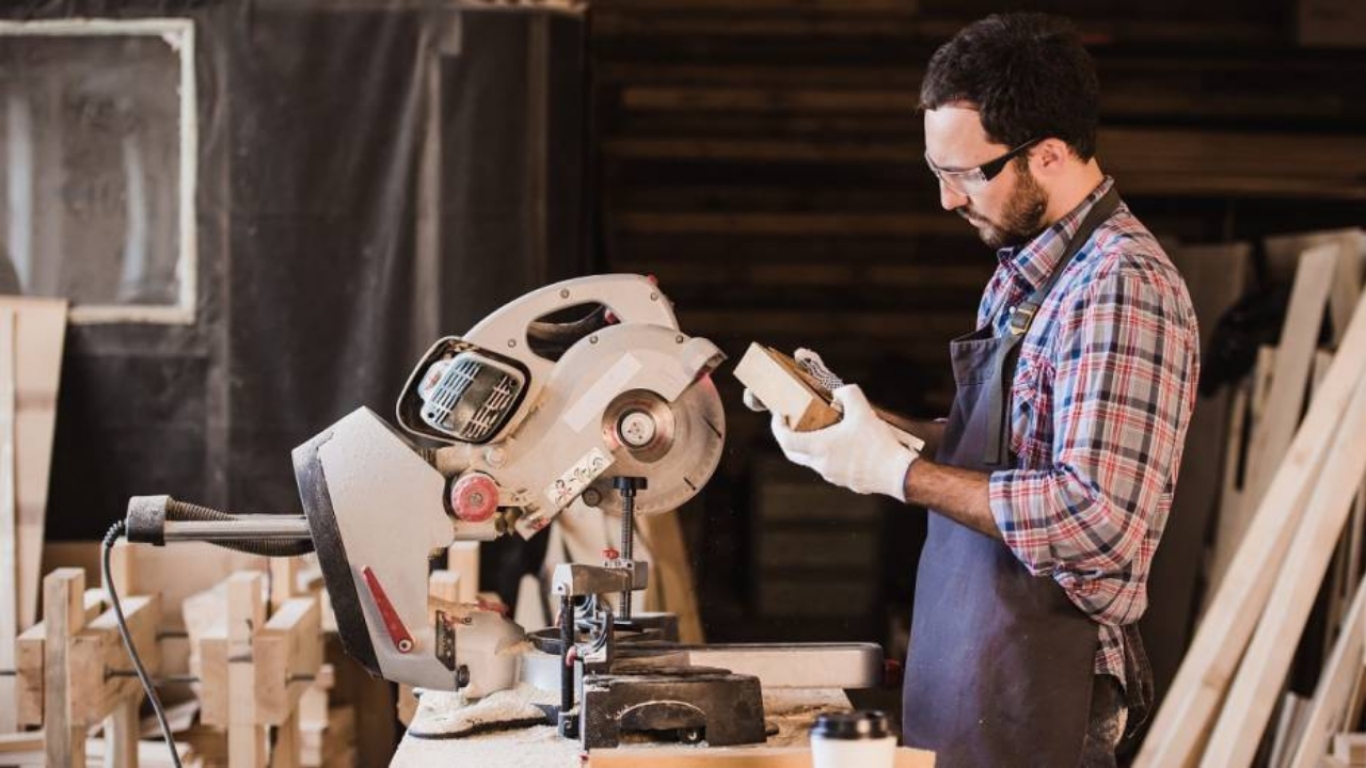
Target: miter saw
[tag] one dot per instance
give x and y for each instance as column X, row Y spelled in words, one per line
column 582, row 394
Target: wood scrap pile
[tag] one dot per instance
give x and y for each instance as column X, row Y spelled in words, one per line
column 1289, row 528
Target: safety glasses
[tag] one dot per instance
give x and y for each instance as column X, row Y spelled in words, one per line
column 969, row 181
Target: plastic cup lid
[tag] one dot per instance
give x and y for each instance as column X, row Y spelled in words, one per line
column 862, row 724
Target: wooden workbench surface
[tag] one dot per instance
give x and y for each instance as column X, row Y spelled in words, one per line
column 792, row 711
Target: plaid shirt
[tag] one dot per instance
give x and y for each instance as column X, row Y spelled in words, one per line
column 1100, row 404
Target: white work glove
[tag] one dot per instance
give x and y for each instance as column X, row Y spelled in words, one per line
column 860, row 452
column 809, row 362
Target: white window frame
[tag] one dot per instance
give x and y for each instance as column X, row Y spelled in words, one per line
column 179, row 34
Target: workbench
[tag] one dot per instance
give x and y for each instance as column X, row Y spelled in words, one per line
column 792, row 711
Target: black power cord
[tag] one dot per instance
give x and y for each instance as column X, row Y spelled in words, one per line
column 115, row 532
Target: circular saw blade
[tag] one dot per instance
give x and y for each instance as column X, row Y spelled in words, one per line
column 699, row 423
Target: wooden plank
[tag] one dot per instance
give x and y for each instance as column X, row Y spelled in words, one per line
column 1274, row 431
column 246, row 612
column 1268, row 658
column 40, row 330
column 9, row 530
column 1249, row 403
column 64, row 615
column 673, row 570
column 1328, row 710
column 121, row 734
column 1290, row 724
column 1185, row 716
column 1283, row 251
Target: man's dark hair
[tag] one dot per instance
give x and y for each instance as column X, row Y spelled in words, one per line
column 1028, row 75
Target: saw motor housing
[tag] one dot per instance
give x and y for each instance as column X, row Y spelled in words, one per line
column 532, row 417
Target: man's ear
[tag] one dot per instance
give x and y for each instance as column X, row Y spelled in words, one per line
column 1051, row 156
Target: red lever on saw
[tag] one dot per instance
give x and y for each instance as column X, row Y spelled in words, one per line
column 398, row 633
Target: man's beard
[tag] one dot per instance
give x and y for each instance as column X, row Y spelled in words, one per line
column 1022, row 220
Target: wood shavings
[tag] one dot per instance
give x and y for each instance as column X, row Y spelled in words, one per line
column 446, row 714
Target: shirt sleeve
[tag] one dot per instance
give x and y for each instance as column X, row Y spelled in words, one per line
column 1125, row 361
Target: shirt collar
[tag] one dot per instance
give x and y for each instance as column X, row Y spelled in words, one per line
column 1034, row 261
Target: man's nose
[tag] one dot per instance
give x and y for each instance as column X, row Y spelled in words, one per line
column 951, row 199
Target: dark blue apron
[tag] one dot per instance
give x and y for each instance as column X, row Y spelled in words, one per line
column 1001, row 663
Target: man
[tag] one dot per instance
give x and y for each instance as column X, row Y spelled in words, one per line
column 1053, row 474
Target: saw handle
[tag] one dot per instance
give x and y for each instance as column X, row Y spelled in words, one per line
column 632, row 298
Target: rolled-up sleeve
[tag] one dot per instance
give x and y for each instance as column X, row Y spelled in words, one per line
column 1125, row 359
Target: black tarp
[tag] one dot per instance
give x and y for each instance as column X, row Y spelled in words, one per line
column 372, row 175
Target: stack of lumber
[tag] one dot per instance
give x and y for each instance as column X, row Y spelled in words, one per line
column 1287, row 529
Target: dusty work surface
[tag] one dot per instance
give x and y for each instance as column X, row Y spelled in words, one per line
column 538, row 746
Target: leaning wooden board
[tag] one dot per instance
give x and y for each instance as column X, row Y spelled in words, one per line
column 1183, row 721
column 1267, row 661
column 40, row 332
column 32, row 332
column 1294, row 355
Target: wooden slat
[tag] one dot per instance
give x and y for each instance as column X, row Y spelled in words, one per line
column 9, row 529
column 246, row 612
column 1342, row 671
column 1186, row 714
column 64, row 616
column 1263, row 670
column 1294, row 355
column 40, row 330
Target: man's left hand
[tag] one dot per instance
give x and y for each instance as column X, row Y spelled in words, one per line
column 860, row 452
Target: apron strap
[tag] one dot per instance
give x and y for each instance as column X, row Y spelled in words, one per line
column 1021, row 319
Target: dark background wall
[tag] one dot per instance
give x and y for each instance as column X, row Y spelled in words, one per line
column 764, row 159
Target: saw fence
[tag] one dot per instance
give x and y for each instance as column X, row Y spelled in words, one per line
column 261, row 689
column 1288, row 537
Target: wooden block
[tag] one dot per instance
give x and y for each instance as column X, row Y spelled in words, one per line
column 785, row 389
column 406, row 705
column 287, row 653
column 29, row 663
column 463, row 558
column 802, row 400
column 11, row 743
column 284, row 580
column 1200, row 684
column 313, row 704
column 443, row 591
column 98, row 650
column 1267, row 661
column 213, row 680
column 64, row 615
column 28, row 670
